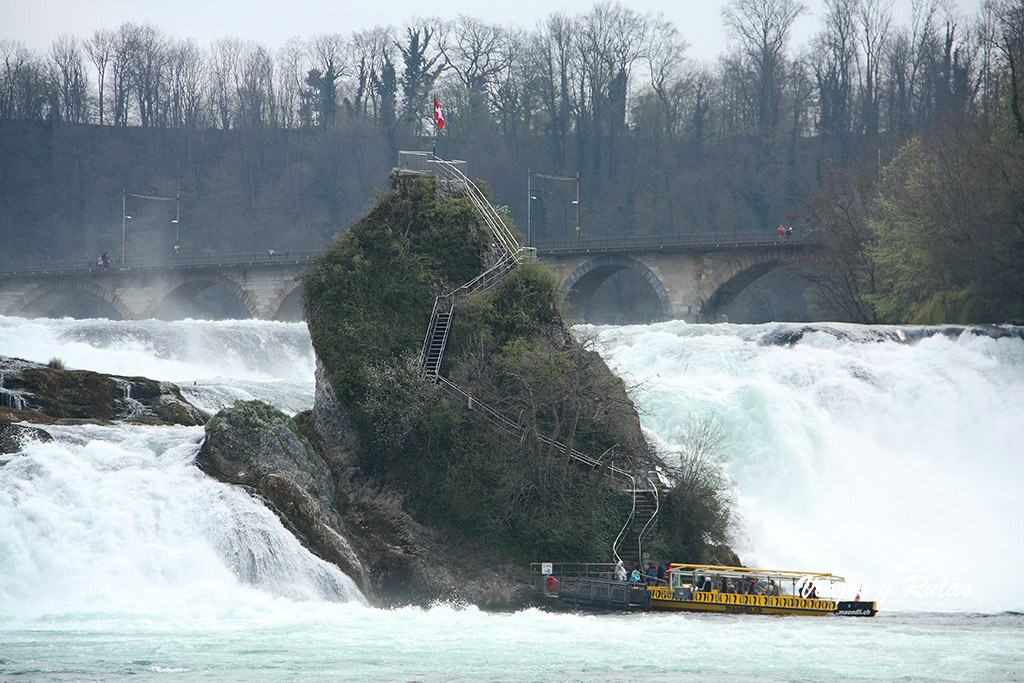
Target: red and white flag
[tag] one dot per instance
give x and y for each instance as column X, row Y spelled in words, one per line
column 438, row 116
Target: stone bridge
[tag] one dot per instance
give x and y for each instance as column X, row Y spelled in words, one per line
column 265, row 284
column 694, row 277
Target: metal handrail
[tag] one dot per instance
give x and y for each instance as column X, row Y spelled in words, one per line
column 629, row 520
column 683, row 241
column 496, row 418
column 449, row 171
column 657, row 508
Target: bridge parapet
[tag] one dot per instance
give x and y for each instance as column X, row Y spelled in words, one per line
column 676, row 242
column 272, row 258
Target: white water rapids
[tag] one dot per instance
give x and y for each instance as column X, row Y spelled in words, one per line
column 894, row 464
column 897, row 465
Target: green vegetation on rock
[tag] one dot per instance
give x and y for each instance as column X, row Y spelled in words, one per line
column 368, row 306
column 369, row 297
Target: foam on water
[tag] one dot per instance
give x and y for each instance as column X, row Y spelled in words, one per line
column 897, row 465
column 116, row 519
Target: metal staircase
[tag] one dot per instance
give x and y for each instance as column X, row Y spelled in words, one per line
column 642, row 523
column 642, row 519
column 437, row 336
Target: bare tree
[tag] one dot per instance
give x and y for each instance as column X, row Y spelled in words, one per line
column 762, row 29
column 666, row 57
column 874, row 18
column 68, row 78
column 188, row 80
column 254, row 88
column 835, row 63
column 556, row 45
column 100, row 49
column 474, row 51
column 225, row 58
column 23, row 83
column 126, row 42
column 420, row 72
column 150, row 60
column 289, row 75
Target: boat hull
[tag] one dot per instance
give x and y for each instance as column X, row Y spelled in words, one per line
column 618, row 595
column 663, row 598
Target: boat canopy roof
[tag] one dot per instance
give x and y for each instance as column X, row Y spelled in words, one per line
column 749, row 572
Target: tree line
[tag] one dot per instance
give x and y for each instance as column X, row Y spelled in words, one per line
column 282, row 148
column 570, row 79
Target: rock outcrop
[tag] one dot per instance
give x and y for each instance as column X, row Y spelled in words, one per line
column 13, row 437
column 337, row 515
column 51, row 394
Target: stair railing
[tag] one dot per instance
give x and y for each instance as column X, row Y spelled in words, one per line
column 625, row 527
column 446, row 170
column 650, row 522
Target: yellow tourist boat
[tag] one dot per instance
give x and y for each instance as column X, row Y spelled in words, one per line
column 701, row 588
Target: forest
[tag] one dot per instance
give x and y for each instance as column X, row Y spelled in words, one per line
column 897, row 149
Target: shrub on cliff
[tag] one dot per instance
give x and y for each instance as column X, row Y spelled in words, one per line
column 369, row 297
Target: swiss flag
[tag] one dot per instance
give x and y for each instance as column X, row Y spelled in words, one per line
column 438, row 116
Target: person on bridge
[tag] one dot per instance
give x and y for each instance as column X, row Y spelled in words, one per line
column 782, row 232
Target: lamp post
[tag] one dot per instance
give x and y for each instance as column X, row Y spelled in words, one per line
column 530, row 196
column 124, row 217
column 529, row 201
column 177, row 225
column 577, row 203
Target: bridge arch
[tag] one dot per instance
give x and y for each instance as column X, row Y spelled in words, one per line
column 39, row 301
column 286, row 304
column 168, row 304
column 727, row 286
column 588, row 276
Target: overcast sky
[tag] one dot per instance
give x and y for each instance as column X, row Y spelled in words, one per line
column 37, row 22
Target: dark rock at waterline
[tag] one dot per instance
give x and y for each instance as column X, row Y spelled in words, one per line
column 51, row 393
column 255, row 445
column 246, row 443
column 341, row 517
column 13, row 436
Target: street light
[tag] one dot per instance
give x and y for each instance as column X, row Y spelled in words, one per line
column 530, row 196
column 177, row 227
column 124, row 217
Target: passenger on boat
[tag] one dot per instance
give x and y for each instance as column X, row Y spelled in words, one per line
column 620, row 572
column 635, row 576
column 661, row 573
